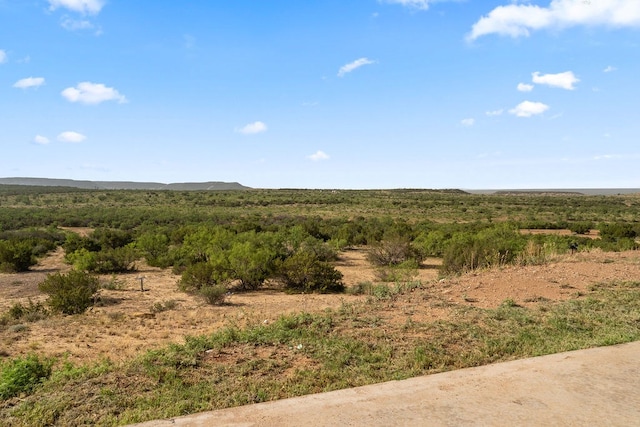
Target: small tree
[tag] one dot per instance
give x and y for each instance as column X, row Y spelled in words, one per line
column 303, row 272
column 70, row 293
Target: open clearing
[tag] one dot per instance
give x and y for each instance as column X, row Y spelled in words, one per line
column 124, row 322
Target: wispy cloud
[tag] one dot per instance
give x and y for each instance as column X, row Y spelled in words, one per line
column 528, row 109
column 71, row 24
column 346, row 69
column 92, row 93
column 468, row 122
column 253, row 128
column 609, row 69
column 524, row 87
column 319, row 156
column 494, row 113
column 29, row 82
column 72, row 137
column 518, row 20
column 607, row 157
column 42, row 140
column 3, row 56
column 87, row 7
column 417, row 4
column 565, row 80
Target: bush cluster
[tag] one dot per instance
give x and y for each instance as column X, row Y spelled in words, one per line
column 71, row 293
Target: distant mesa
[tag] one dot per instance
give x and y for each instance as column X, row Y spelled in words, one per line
column 123, row 185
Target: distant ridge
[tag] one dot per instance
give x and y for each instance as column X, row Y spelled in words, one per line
column 561, row 191
column 123, row 185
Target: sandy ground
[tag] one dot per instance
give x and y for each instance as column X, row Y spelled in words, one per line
column 124, row 322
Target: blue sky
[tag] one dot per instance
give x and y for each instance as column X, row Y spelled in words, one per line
column 323, row 94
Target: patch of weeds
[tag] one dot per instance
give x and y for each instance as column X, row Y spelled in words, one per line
column 18, row 328
column 22, row 375
column 161, row 306
column 214, row 295
column 31, row 312
column 537, row 299
column 510, row 303
column 360, row 288
column 116, row 316
column 113, row 284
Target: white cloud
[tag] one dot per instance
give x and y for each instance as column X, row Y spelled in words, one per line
column 468, row 122
column 607, row 157
column 89, row 7
column 75, row 24
column 564, row 80
column 418, row 4
column 345, row 69
column 609, row 69
column 92, row 93
column 29, row 82
column 523, row 87
column 494, row 113
column 528, row 109
column 518, row 20
column 253, row 128
column 73, row 137
column 42, row 140
column 3, row 56
column 319, row 156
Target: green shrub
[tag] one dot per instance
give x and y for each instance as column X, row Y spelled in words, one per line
column 581, row 227
column 214, row 295
column 16, row 256
column 249, row 263
column 407, row 271
column 490, row 247
column 70, row 293
column 118, row 260
column 197, row 276
column 22, row 375
column 155, row 248
column 304, row 272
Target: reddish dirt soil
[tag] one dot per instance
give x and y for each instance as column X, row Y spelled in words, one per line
column 124, row 323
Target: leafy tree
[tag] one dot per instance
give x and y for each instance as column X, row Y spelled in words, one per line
column 250, row 264
column 197, row 276
column 155, row 248
column 304, row 272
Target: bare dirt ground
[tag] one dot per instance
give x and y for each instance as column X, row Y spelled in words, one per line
column 124, row 322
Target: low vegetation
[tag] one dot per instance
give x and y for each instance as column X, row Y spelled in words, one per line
column 304, row 353
column 226, row 242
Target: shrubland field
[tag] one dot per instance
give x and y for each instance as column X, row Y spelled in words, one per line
column 124, row 306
